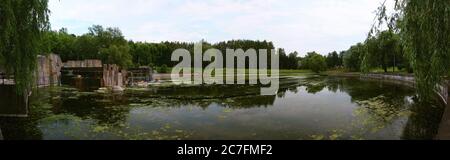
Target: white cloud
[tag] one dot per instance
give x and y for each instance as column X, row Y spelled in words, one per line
column 302, row 25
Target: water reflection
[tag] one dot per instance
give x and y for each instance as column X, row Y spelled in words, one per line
column 304, row 108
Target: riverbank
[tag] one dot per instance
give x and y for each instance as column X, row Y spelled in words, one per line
column 444, row 129
column 408, row 79
column 405, row 79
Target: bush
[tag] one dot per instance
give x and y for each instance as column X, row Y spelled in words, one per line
column 315, row 62
column 163, row 69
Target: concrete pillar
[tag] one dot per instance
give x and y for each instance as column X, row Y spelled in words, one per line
column 119, row 80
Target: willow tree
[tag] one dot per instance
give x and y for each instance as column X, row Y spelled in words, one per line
column 424, row 27
column 22, row 23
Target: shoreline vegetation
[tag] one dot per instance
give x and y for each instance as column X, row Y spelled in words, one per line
column 408, row 39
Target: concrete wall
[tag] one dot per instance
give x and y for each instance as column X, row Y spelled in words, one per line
column 409, row 79
column 90, row 63
column 113, row 76
column 49, row 70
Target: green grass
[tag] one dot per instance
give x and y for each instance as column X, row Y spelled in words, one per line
column 390, row 70
column 282, row 71
column 247, row 71
column 305, row 71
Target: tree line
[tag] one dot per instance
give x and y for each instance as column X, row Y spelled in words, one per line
column 383, row 50
column 417, row 39
column 110, row 46
column 424, row 30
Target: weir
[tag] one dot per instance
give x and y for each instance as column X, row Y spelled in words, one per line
column 138, row 75
column 82, row 78
column 86, row 75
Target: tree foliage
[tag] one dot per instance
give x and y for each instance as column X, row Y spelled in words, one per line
column 384, row 50
column 22, row 23
column 352, row 57
column 424, row 27
column 110, row 46
column 106, row 44
column 288, row 61
column 334, row 60
column 117, row 55
column 315, row 62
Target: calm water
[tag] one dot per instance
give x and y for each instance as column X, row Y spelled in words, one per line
column 305, row 108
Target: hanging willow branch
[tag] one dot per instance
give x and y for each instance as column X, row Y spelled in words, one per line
column 424, row 26
column 22, row 23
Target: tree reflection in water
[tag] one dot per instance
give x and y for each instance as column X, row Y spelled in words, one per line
column 379, row 105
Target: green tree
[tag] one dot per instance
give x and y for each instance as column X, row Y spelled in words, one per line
column 22, row 23
column 283, row 58
column 163, row 69
column 288, row 61
column 143, row 53
column 86, row 47
column 333, row 60
column 293, row 60
column 352, row 58
column 249, row 44
column 117, row 55
column 315, row 62
column 424, row 27
column 2, row 62
column 383, row 50
column 61, row 43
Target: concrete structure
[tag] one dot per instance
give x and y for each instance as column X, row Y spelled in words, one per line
column 85, row 79
column 138, row 75
column 48, row 71
column 90, row 63
column 113, row 76
column 15, row 105
column 94, row 77
column 442, row 92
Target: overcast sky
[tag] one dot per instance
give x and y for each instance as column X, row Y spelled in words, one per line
column 296, row 25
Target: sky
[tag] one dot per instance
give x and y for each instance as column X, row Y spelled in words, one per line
column 296, row 25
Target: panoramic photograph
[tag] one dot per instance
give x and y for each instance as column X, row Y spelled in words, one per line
column 224, row 70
